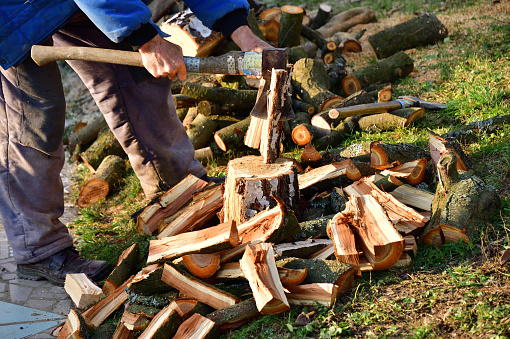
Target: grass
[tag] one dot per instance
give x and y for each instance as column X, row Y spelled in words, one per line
column 458, row 288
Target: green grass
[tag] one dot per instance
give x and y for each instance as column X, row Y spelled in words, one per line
column 456, row 288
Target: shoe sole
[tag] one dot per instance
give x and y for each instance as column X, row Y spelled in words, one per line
column 29, row 274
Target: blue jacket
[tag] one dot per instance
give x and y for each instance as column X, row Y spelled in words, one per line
column 24, row 23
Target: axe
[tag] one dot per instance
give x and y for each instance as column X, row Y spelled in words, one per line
column 383, row 107
column 237, row 63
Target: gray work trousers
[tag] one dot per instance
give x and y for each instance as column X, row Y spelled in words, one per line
column 138, row 109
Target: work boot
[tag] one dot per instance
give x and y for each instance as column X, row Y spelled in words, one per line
column 67, row 261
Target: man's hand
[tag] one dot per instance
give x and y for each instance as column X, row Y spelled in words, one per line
column 248, row 41
column 163, row 58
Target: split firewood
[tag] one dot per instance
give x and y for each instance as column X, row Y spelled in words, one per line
column 330, row 171
column 204, row 293
column 202, row 265
column 203, row 208
column 105, row 144
column 462, row 204
column 249, row 185
column 343, row 21
column 168, row 204
column 232, row 136
column 310, row 81
column 405, row 219
column 98, row 313
column 82, row 291
column 288, row 277
column 204, row 155
column 383, row 155
column 312, row 294
column 340, row 230
column 315, row 228
column 410, row 244
column 395, row 67
column 302, row 132
column 412, row 172
column 186, row 307
column 321, row 271
column 235, row 253
column 270, row 14
column 74, row 327
column 389, row 121
column 186, row 30
column 148, row 281
column 108, row 174
column 134, row 322
column 326, row 253
column 254, row 132
column 387, row 183
column 200, row 131
column 300, row 249
column 87, row 133
column 271, row 137
column 413, row 196
column 310, row 156
column 209, row 240
column 126, row 267
column 197, row 327
column 232, row 317
column 259, row 268
column 291, row 19
column 322, row 16
column 163, row 325
column 232, row 99
column 122, row 332
column 425, row 29
column 440, row 145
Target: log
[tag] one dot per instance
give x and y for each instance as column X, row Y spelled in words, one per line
column 399, row 118
column 412, row 172
column 202, row 265
column 74, row 327
column 191, row 114
column 300, row 249
column 249, row 185
column 291, row 19
column 186, row 307
column 462, row 204
column 202, row 209
column 188, row 32
column 395, row 67
column 200, row 131
column 183, row 101
column 344, row 168
column 314, row 37
column 439, row 145
column 171, row 201
column 98, row 313
column 345, row 20
column 383, row 155
column 82, row 291
column 235, row 99
column 296, row 53
column 413, row 196
column 423, row 30
column 209, row 240
column 126, row 266
column 234, row 316
column 204, row 155
column 88, row 133
column 134, row 322
column 310, row 156
column 387, row 183
column 301, row 106
column 259, row 268
column 148, row 281
column 232, row 136
column 270, row 29
column 326, row 253
column 288, row 277
column 385, row 95
column 322, row 16
column 105, row 144
column 313, row 228
column 209, row 108
column 254, row 26
column 312, row 294
column 321, row 271
column 343, row 238
column 121, row 332
column 199, row 290
column 334, row 136
column 197, row 327
column 163, row 325
column 310, row 82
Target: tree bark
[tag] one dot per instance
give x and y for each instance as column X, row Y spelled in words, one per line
column 200, row 131
column 232, row 136
column 236, row 99
column 291, row 20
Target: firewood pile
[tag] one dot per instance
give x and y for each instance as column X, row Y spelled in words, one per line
column 281, row 232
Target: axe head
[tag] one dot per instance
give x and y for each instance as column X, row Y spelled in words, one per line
column 271, row 58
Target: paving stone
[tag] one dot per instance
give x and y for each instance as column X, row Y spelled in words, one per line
column 8, row 260
column 28, row 283
column 3, row 287
column 43, row 335
column 40, row 304
column 19, row 293
column 57, row 290
column 9, row 266
column 9, row 276
column 62, row 307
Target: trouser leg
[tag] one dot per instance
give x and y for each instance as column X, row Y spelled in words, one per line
column 32, row 113
column 139, row 110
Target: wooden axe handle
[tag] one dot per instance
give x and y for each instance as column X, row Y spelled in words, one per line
column 374, row 108
column 249, row 63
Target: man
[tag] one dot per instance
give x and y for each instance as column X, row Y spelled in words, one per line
column 136, row 103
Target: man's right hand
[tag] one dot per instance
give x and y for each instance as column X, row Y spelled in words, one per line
column 163, row 58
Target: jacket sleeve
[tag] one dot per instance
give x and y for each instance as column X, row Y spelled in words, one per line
column 221, row 16
column 119, row 20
